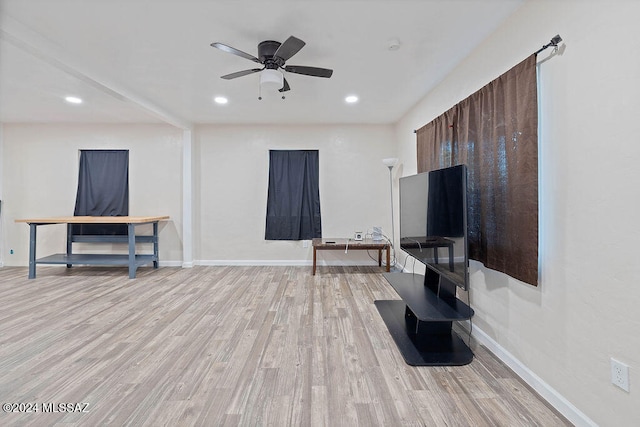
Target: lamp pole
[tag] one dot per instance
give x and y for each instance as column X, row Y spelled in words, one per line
column 390, row 163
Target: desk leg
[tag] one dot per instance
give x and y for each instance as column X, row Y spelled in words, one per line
column 314, row 261
column 32, row 251
column 156, row 257
column 388, row 259
column 69, row 242
column 379, row 257
column 451, row 267
column 132, row 250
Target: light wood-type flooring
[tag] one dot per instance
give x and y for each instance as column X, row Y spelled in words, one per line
column 229, row 346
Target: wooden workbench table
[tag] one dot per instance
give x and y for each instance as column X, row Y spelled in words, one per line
column 132, row 260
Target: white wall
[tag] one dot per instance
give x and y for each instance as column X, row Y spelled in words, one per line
column 1, row 197
column 230, row 185
column 232, row 166
column 40, row 178
column 585, row 309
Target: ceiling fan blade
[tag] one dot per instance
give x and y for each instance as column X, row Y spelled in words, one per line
column 235, row 51
column 241, row 73
column 285, row 86
column 290, row 47
column 309, row 71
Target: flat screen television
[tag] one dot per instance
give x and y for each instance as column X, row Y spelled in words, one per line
column 433, row 222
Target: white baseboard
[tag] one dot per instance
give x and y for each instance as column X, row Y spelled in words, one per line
column 555, row 399
column 243, row 262
column 296, row 262
column 170, row 264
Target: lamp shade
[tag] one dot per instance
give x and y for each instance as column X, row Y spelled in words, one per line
column 271, row 79
column 390, row 161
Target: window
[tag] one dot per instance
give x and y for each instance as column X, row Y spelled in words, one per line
column 103, row 189
column 494, row 132
column 293, row 199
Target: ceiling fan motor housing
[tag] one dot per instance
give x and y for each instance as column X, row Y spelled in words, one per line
column 266, row 52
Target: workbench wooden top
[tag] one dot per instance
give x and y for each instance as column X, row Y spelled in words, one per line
column 95, row 219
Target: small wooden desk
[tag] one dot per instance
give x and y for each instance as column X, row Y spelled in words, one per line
column 415, row 245
column 133, row 260
column 350, row 244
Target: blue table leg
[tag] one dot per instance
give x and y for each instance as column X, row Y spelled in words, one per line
column 156, row 257
column 32, row 251
column 69, row 241
column 132, row 250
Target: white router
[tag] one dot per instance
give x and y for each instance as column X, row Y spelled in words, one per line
column 377, row 233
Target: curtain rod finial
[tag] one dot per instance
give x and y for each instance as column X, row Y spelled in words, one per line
column 554, row 42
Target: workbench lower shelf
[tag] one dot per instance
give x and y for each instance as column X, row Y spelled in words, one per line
column 97, row 259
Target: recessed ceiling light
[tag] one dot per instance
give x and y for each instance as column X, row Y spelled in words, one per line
column 351, row 99
column 73, row 100
column 220, row 100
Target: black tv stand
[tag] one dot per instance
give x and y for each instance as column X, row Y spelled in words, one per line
column 421, row 323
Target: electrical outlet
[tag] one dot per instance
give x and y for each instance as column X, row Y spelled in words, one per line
column 619, row 374
column 305, row 243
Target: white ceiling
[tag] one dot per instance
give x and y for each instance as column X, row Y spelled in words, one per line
column 151, row 60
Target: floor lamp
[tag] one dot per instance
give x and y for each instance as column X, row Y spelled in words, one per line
column 390, row 162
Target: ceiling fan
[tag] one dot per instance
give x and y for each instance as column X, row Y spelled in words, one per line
column 272, row 56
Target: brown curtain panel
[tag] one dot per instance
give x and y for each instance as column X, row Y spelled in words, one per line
column 495, row 133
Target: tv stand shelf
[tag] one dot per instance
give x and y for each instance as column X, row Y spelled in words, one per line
column 421, row 324
column 425, row 304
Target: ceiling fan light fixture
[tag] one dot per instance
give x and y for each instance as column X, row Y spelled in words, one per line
column 271, row 79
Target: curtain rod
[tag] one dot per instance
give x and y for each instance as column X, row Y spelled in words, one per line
column 554, row 42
